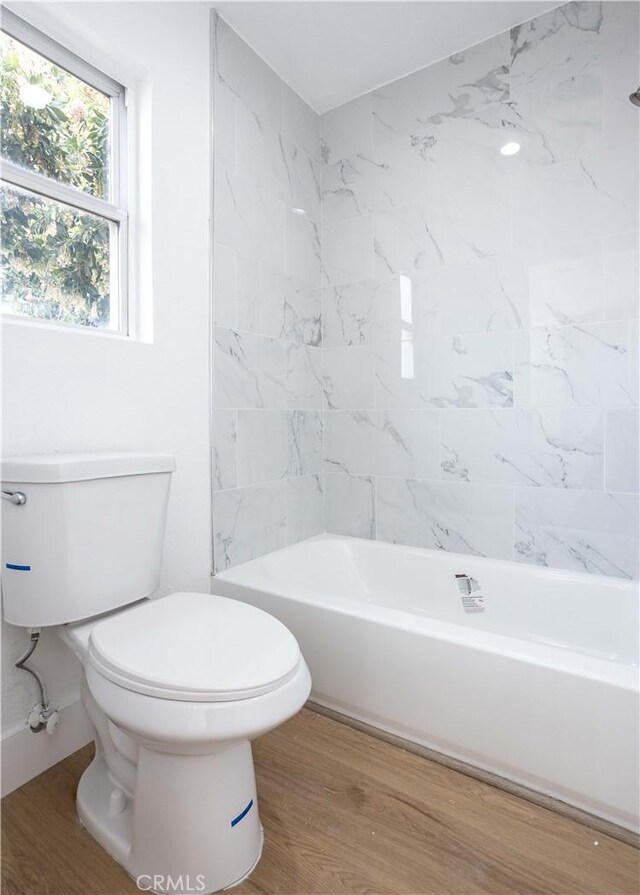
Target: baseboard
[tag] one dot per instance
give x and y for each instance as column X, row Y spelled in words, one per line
column 26, row 754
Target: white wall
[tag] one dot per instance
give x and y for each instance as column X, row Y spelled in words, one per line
column 68, row 391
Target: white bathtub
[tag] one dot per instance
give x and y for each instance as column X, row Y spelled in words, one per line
column 541, row 687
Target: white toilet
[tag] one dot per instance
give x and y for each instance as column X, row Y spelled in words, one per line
column 176, row 687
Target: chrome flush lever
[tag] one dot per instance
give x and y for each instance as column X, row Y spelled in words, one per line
column 19, row 498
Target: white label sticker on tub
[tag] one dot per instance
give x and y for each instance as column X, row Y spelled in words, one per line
column 473, row 603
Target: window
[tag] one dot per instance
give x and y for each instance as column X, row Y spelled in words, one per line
column 63, row 256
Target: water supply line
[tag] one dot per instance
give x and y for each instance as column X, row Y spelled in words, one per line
column 43, row 716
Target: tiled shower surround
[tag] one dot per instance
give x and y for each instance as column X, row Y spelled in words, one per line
column 267, row 389
column 478, row 370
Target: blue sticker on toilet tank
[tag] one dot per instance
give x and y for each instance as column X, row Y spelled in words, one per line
column 17, row 568
column 236, row 820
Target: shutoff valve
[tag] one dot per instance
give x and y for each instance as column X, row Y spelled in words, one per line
column 41, row 718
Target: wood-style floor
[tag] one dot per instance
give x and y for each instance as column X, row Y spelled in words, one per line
column 343, row 812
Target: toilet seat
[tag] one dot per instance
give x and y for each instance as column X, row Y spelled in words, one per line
column 194, row 648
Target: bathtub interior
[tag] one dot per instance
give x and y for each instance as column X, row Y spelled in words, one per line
column 588, row 614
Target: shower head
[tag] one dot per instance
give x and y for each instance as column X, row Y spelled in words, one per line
column 635, row 97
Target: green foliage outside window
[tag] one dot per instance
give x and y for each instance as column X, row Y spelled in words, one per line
column 54, row 259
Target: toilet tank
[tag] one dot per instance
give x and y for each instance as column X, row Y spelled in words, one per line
column 88, row 538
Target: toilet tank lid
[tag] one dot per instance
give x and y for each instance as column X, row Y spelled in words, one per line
column 58, row 468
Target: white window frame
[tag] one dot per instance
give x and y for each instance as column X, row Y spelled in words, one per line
column 114, row 210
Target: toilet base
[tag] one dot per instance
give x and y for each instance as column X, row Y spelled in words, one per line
column 228, row 888
column 92, row 801
column 253, row 866
column 192, row 825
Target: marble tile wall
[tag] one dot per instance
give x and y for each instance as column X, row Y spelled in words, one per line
column 267, row 386
column 479, row 354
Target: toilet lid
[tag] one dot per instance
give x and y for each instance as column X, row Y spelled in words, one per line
column 195, row 647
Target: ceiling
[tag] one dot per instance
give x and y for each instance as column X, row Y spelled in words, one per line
column 334, row 50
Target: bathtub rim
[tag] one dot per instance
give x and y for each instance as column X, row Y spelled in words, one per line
column 565, row 659
column 533, row 569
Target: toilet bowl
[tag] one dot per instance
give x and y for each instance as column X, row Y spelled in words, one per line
column 177, row 688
